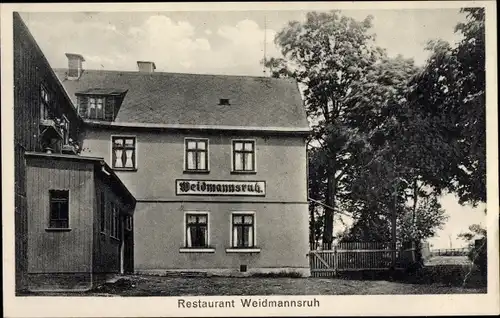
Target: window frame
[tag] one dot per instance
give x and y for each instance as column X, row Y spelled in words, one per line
column 50, row 219
column 254, row 232
column 233, row 156
column 66, row 125
column 128, row 223
column 44, row 103
column 114, row 221
column 197, row 249
column 103, row 215
column 96, row 98
column 206, row 151
column 135, row 154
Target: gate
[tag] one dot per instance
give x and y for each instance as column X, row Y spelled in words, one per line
column 358, row 256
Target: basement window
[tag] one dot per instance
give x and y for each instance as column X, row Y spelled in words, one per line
column 224, row 101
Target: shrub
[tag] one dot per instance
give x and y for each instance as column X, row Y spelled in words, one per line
column 478, row 255
column 476, row 237
column 280, row 274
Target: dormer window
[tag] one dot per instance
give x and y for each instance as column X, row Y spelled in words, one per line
column 224, row 101
column 96, row 108
column 100, row 103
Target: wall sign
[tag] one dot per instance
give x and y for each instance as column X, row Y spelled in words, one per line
column 210, row 187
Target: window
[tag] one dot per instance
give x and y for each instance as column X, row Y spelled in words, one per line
column 65, row 129
column 114, row 217
column 224, row 101
column 124, row 153
column 109, row 216
column 59, row 209
column 128, row 223
column 196, row 155
column 96, row 108
column 44, row 103
column 102, row 211
column 197, row 230
column 243, row 230
column 243, row 155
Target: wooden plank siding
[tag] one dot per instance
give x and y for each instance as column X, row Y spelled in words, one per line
column 31, row 69
column 106, row 248
column 59, row 251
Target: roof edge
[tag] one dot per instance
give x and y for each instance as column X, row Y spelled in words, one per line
column 95, row 160
column 294, row 130
column 158, row 73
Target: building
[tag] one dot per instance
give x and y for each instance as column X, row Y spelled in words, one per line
column 216, row 163
column 73, row 215
column 154, row 172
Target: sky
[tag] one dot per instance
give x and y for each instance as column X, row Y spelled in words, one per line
column 217, row 42
column 231, row 43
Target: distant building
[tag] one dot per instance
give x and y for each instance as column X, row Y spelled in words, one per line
column 73, row 216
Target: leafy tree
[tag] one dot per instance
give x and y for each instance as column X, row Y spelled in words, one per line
column 448, row 97
column 326, row 54
column 430, row 218
column 316, row 190
column 386, row 133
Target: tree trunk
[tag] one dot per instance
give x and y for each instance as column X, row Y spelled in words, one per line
column 393, row 223
column 329, row 212
column 417, row 243
column 415, row 200
column 312, row 226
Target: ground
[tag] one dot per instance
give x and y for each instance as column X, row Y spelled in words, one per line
column 209, row 286
column 440, row 276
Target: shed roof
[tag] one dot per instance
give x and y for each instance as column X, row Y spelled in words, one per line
column 97, row 162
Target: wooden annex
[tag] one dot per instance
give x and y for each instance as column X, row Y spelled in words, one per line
column 63, row 237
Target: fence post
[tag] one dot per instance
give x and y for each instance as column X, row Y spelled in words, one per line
column 413, row 251
column 335, row 260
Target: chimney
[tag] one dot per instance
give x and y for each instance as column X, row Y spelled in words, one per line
column 74, row 65
column 146, row 66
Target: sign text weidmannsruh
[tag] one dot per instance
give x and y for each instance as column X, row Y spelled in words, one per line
column 208, row 187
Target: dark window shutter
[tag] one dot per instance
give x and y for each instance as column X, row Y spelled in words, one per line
column 109, row 109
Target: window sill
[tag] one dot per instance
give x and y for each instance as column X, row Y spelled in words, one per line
column 57, row 229
column 125, row 169
column 243, row 172
column 196, row 171
column 196, row 250
column 243, row 250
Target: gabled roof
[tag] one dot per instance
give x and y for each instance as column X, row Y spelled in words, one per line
column 193, row 99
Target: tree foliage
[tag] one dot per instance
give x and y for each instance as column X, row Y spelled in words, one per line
column 388, row 137
column 448, row 97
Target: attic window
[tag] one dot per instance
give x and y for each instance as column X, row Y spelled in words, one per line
column 224, row 101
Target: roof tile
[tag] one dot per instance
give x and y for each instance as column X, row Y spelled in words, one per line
column 193, row 99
